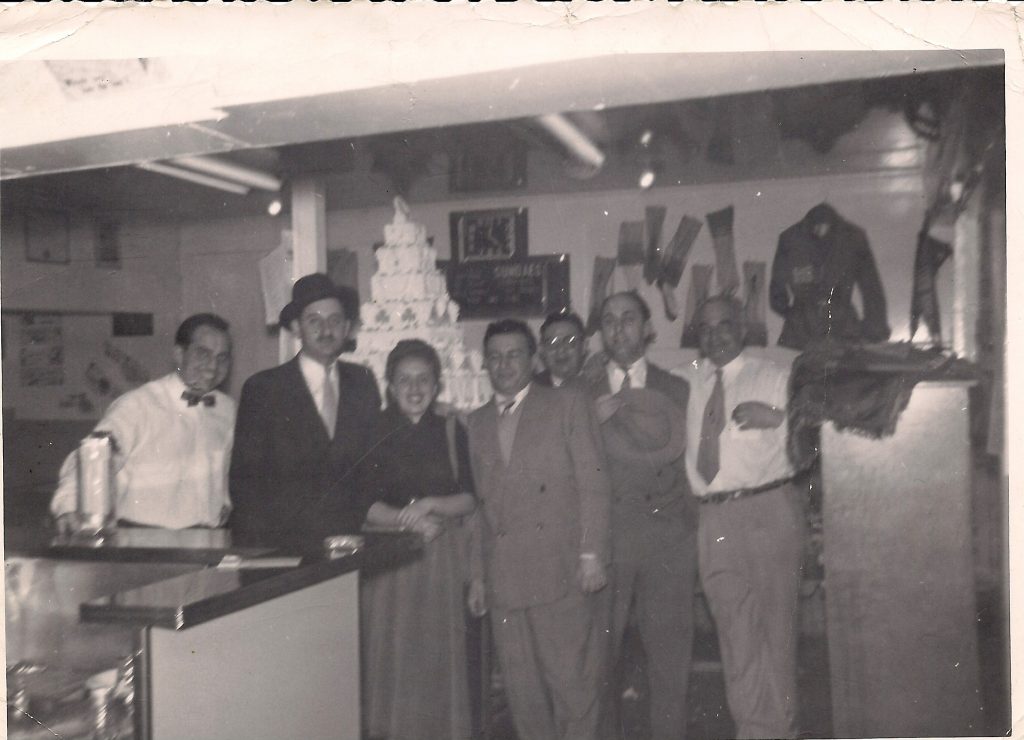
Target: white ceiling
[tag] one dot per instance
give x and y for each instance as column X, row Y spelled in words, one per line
column 610, row 81
column 280, row 76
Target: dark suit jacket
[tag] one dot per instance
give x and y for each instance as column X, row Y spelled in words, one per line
column 290, row 482
column 543, row 377
column 647, row 490
column 548, row 505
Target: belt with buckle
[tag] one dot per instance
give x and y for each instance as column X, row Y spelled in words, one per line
column 722, row 496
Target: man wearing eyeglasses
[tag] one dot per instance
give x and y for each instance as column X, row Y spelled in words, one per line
column 563, row 348
column 303, row 426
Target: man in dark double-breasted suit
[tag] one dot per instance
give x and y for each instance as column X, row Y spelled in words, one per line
column 302, row 427
column 540, row 540
column 642, row 410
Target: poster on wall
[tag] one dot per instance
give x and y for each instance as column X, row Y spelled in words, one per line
column 533, row 287
column 72, row 366
column 41, row 354
column 487, row 236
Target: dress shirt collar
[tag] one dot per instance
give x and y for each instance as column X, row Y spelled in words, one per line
column 729, row 371
column 637, row 375
column 313, row 371
column 176, row 387
column 500, row 401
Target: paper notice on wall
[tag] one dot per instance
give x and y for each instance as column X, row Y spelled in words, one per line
column 41, row 357
column 276, row 278
column 700, row 288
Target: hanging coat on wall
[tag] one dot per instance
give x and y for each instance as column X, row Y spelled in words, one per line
column 817, row 263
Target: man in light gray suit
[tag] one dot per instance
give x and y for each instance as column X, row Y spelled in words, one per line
column 654, row 519
column 540, row 540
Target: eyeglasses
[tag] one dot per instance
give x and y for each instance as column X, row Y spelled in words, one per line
column 318, row 321
column 567, row 341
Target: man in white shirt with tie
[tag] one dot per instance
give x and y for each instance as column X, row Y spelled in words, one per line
column 302, row 428
column 752, row 531
column 173, row 439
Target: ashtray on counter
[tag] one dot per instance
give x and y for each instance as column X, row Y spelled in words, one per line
column 341, row 545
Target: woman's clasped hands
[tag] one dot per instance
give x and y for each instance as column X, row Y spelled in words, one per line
column 418, row 516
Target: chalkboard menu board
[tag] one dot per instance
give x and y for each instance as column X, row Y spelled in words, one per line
column 530, row 286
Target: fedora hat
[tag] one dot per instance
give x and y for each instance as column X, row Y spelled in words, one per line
column 312, row 288
column 648, row 427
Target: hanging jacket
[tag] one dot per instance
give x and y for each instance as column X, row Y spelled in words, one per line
column 813, row 279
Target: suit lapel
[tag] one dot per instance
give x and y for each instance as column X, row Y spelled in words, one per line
column 600, row 386
column 655, row 379
column 531, row 409
column 343, row 418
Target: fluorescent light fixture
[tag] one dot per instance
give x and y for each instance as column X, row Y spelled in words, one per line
column 574, row 140
column 253, row 178
column 196, row 177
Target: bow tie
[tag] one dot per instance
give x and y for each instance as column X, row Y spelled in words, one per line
column 194, row 399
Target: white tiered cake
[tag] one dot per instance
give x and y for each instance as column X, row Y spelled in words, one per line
column 409, row 300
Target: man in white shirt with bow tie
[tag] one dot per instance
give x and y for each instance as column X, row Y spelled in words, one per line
column 172, row 439
column 751, row 534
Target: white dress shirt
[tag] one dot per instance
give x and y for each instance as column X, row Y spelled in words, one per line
column 313, row 373
column 172, row 458
column 748, row 457
column 637, row 375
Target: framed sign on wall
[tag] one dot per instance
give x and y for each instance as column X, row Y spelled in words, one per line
column 488, row 236
column 530, row 287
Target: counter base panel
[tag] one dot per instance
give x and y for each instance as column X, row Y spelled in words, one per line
column 285, row 668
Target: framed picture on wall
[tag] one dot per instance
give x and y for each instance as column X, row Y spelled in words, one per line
column 488, row 236
column 107, row 247
column 47, row 236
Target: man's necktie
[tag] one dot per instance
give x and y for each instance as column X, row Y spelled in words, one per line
column 506, row 429
column 626, row 382
column 329, row 403
column 711, row 431
column 194, row 399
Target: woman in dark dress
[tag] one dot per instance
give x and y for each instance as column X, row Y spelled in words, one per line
column 417, row 478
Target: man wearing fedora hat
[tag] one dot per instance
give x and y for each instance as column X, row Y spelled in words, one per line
column 303, row 426
column 752, row 529
column 642, row 409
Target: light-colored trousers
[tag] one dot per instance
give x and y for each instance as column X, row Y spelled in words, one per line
column 751, row 557
column 553, row 658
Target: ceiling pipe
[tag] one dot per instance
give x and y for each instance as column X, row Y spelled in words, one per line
column 196, row 177
column 574, row 140
column 248, row 176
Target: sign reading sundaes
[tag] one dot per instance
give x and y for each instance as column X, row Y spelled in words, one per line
column 409, row 300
